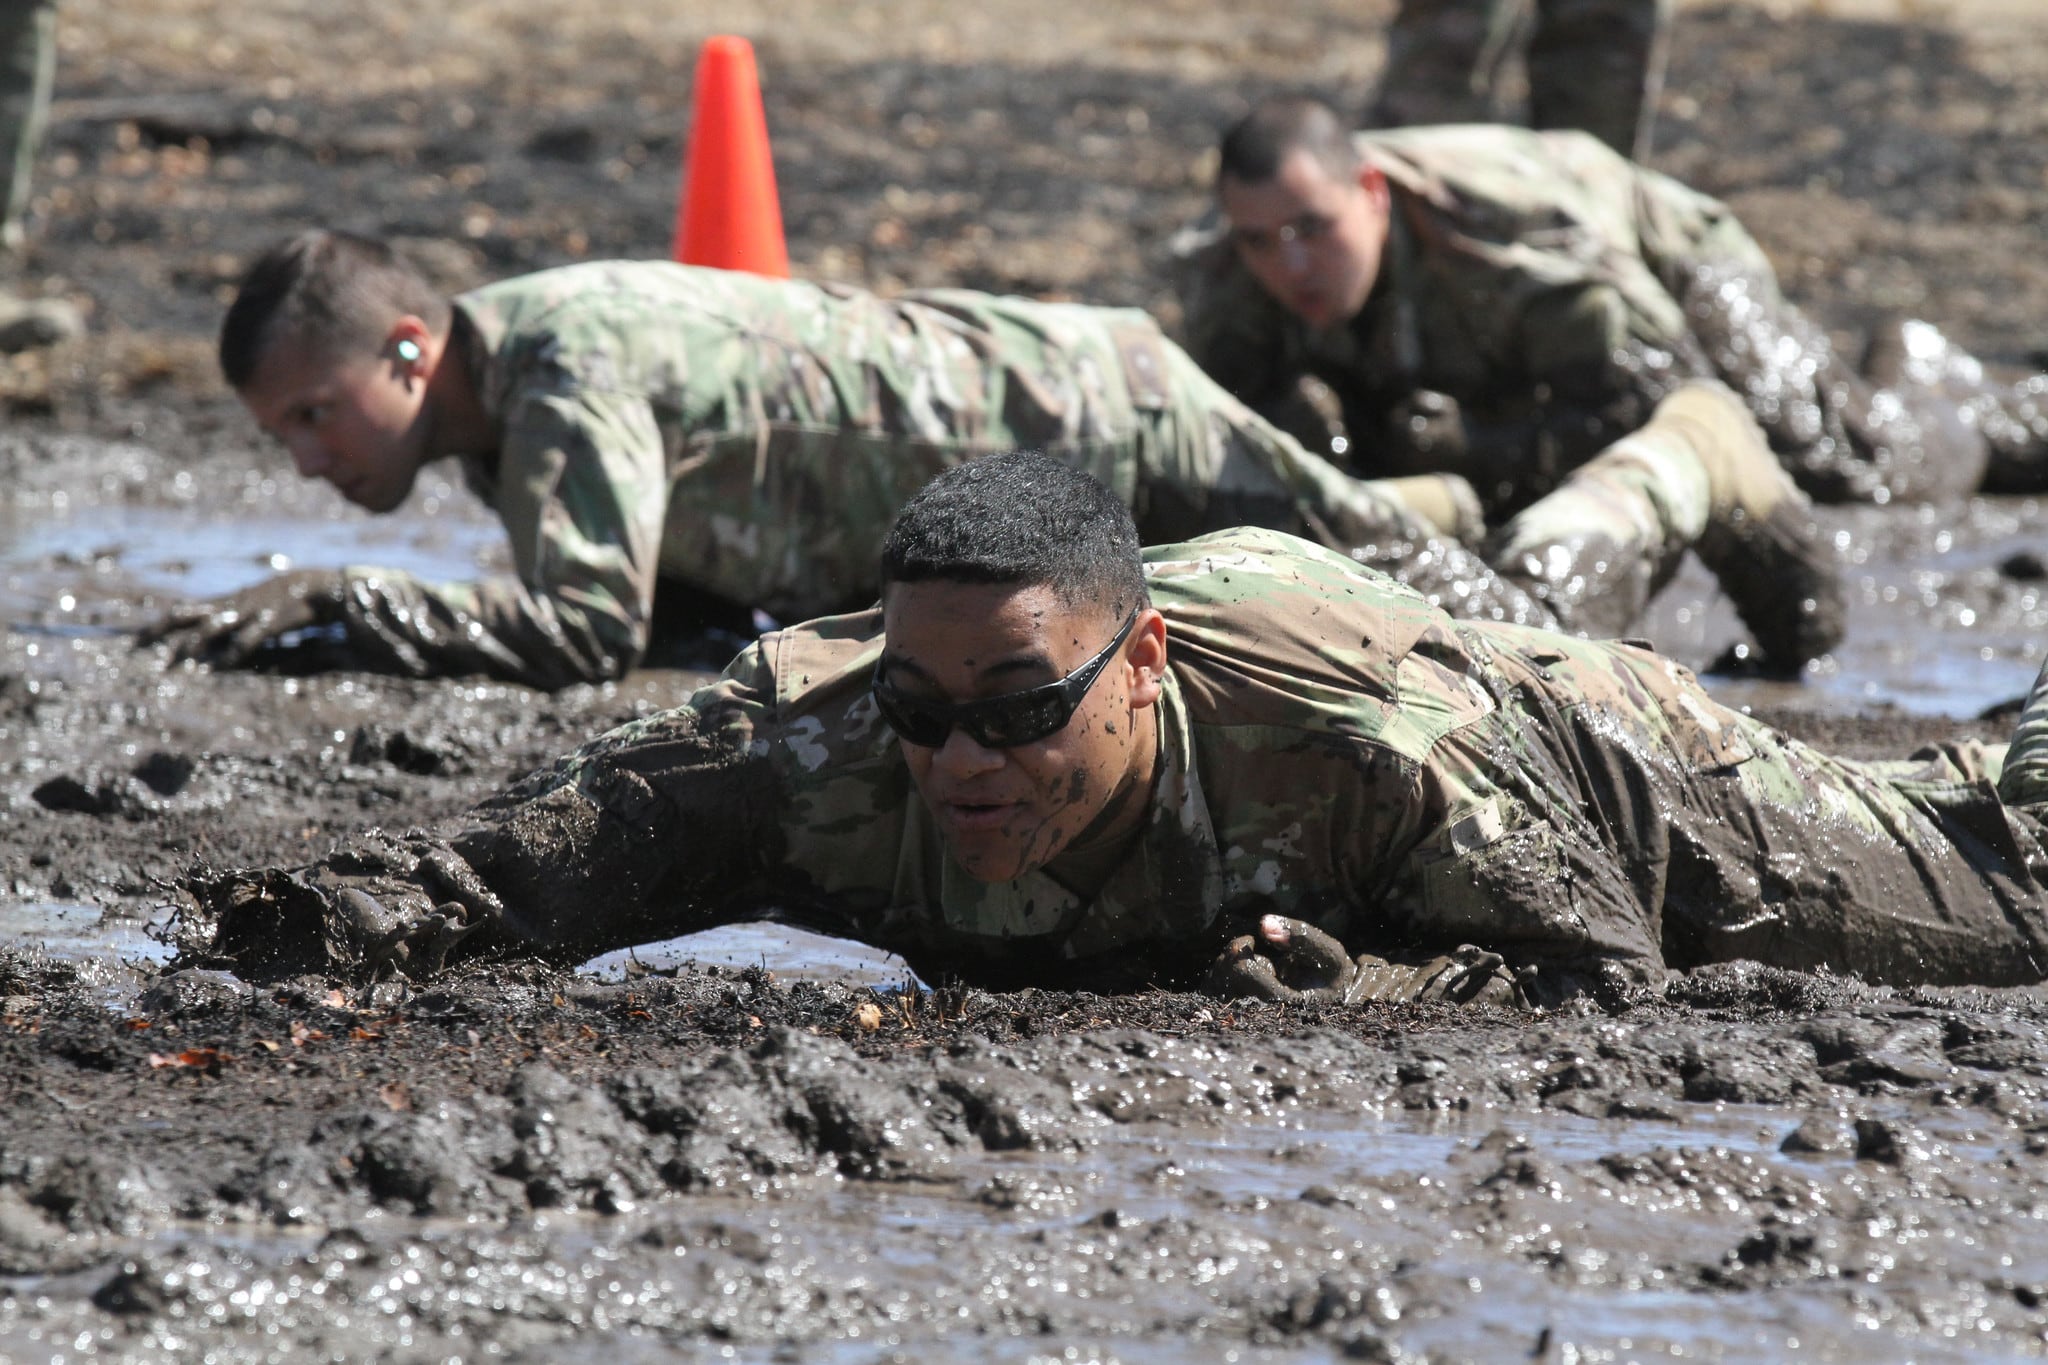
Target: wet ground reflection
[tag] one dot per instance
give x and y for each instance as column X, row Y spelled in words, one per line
column 1946, row 614
column 59, row 562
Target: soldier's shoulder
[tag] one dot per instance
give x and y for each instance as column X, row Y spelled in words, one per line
column 1501, row 178
column 588, row 285
column 1277, row 634
column 1452, row 152
column 799, row 697
column 1249, row 565
column 823, row 655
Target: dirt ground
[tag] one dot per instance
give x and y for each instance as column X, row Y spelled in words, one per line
column 721, row 1164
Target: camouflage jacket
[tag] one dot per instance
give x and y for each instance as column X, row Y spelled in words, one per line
column 1332, row 748
column 1534, row 278
column 745, row 441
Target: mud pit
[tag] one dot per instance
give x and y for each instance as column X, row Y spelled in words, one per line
column 725, row 1161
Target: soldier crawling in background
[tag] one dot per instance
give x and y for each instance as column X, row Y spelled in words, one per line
column 1052, row 759
column 670, row 445
column 1504, row 304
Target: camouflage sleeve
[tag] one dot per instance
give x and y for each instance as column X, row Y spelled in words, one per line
column 583, row 490
column 1536, row 886
column 663, row 826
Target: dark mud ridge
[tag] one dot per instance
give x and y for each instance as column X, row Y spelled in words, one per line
column 529, row 1165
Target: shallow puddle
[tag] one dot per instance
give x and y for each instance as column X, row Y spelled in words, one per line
column 55, row 560
column 76, row 933
column 1936, row 625
column 787, row 954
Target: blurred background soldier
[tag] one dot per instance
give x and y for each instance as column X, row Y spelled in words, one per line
column 28, row 63
column 1595, row 65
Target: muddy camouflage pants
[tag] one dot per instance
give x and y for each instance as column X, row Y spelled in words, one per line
column 1917, row 419
column 1931, row 869
column 1595, row 65
column 1639, row 826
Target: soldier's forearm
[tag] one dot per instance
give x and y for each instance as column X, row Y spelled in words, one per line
column 406, row 626
column 656, row 829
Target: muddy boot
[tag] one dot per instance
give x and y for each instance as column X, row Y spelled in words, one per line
column 2014, row 420
column 1760, row 539
column 1927, row 396
column 29, row 324
column 2005, row 426
column 2023, row 779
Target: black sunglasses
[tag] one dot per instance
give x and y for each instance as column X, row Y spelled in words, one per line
column 994, row 722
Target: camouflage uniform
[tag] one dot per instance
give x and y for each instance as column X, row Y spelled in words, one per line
column 1331, row 748
column 1594, row 65
column 731, row 441
column 28, row 58
column 1539, row 293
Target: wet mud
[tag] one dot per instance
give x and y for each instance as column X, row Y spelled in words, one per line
column 798, row 1153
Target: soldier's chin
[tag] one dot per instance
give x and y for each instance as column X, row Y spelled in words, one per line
column 991, row 865
column 375, row 499
column 993, row 859
column 1316, row 312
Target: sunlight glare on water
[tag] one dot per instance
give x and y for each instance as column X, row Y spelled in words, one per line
column 72, row 933
column 790, row 954
column 193, row 552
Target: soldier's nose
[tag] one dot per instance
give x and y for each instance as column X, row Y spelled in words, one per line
column 311, row 459
column 961, row 757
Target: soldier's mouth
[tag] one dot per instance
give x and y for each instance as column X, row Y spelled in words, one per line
column 1312, row 308
column 978, row 815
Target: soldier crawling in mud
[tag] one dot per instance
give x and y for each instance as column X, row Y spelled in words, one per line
column 1050, row 758
column 670, row 446
column 1504, row 303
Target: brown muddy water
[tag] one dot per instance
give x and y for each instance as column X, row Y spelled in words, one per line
column 769, row 1148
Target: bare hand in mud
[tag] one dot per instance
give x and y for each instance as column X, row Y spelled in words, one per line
column 1292, row 960
column 229, row 631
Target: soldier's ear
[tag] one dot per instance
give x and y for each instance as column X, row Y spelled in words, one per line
column 1373, row 181
column 1145, row 656
column 409, row 344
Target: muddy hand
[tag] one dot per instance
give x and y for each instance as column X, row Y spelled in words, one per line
column 403, row 934
column 1470, row 975
column 1284, row 959
column 228, row 631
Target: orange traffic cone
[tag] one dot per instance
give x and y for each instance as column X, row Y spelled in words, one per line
column 729, row 215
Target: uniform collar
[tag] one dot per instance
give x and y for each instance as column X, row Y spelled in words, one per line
column 1386, row 331
column 473, row 343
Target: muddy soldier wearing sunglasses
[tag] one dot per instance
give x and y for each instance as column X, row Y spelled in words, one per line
column 1052, row 759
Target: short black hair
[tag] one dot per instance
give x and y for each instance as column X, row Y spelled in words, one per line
column 1256, row 145
column 1024, row 518
column 333, row 291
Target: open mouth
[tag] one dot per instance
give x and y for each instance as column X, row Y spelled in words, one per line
column 1310, row 306
column 979, row 815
